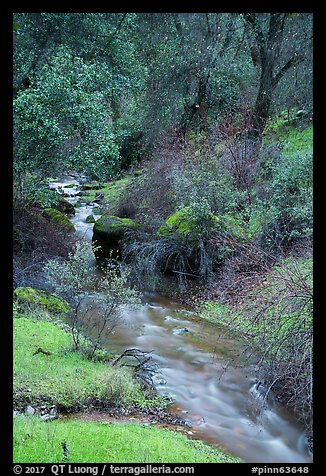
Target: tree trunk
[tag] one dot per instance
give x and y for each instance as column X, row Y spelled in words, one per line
column 264, row 97
column 198, row 107
column 269, row 46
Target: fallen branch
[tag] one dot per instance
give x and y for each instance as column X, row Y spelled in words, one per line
column 42, row 351
column 142, row 370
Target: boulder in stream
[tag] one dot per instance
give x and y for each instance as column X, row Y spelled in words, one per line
column 58, row 218
column 64, row 207
column 90, row 219
column 108, row 232
column 91, row 186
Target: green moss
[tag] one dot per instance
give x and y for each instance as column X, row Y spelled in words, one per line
column 179, row 222
column 91, row 186
column 124, row 222
column 59, row 219
column 90, row 219
column 112, row 192
column 114, row 225
column 183, row 222
column 26, row 297
column 64, row 206
column 108, row 232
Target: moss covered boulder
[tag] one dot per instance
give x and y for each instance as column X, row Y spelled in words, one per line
column 108, row 232
column 91, row 186
column 186, row 232
column 90, row 219
column 58, row 218
column 64, row 207
column 185, row 223
column 27, row 298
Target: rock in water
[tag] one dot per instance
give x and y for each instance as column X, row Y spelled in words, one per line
column 184, row 330
column 108, row 232
column 90, row 219
column 59, row 219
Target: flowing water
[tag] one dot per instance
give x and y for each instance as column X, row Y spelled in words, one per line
column 219, row 399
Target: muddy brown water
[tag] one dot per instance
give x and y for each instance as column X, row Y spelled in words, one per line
column 211, row 385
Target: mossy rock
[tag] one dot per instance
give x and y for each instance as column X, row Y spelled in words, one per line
column 90, row 219
column 108, row 232
column 183, row 223
column 64, row 207
column 59, row 219
column 185, row 227
column 27, row 297
column 91, row 186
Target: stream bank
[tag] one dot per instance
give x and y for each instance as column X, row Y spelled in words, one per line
column 223, row 398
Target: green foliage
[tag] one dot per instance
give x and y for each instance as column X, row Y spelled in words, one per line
column 206, row 182
column 182, row 75
column 280, row 213
column 32, row 190
column 36, row 441
column 65, row 118
column 29, row 298
column 83, row 100
column 290, row 199
column 91, row 88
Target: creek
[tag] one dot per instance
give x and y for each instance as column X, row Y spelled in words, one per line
column 213, row 387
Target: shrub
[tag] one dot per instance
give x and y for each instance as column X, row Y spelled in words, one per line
column 35, row 240
column 104, row 297
column 273, row 310
column 289, row 199
column 32, row 190
column 191, row 244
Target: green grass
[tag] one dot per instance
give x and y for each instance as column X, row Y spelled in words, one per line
column 112, row 192
column 98, row 442
column 291, row 136
column 281, row 288
column 66, row 378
